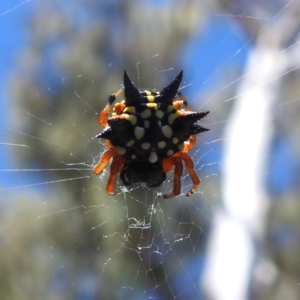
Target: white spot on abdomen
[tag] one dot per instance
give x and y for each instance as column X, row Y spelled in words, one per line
column 153, row 157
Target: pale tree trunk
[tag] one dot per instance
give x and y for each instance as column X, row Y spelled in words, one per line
column 231, row 250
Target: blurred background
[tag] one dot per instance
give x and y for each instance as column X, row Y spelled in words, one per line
column 63, row 237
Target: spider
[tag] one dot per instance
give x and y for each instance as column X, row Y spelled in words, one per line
column 147, row 135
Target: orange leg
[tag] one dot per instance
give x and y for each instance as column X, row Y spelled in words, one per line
column 190, row 168
column 116, row 166
column 188, row 108
column 104, row 160
column 192, row 140
column 107, row 144
column 189, row 144
column 177, row 104
column 104, row 113
column 175, row 160
column 167, row 166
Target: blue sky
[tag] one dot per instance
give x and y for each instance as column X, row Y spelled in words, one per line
column 12, row 40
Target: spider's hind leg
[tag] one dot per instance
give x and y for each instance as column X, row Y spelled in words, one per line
column 167, row 166
column 116, row 166
column 104, row 160
column 190, row 168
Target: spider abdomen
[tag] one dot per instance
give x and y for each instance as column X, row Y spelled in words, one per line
column 150, row 131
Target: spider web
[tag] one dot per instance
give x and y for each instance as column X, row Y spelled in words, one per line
column 63, row 237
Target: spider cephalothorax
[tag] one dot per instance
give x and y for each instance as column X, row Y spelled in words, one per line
column 147, row 135
column 134, row 172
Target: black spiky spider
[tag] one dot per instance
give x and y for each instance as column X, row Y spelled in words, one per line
column 148, row 135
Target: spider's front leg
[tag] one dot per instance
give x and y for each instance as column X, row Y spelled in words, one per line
column 104, row 113
column 184, row 102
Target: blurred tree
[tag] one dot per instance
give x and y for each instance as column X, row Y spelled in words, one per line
column 273, row 29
